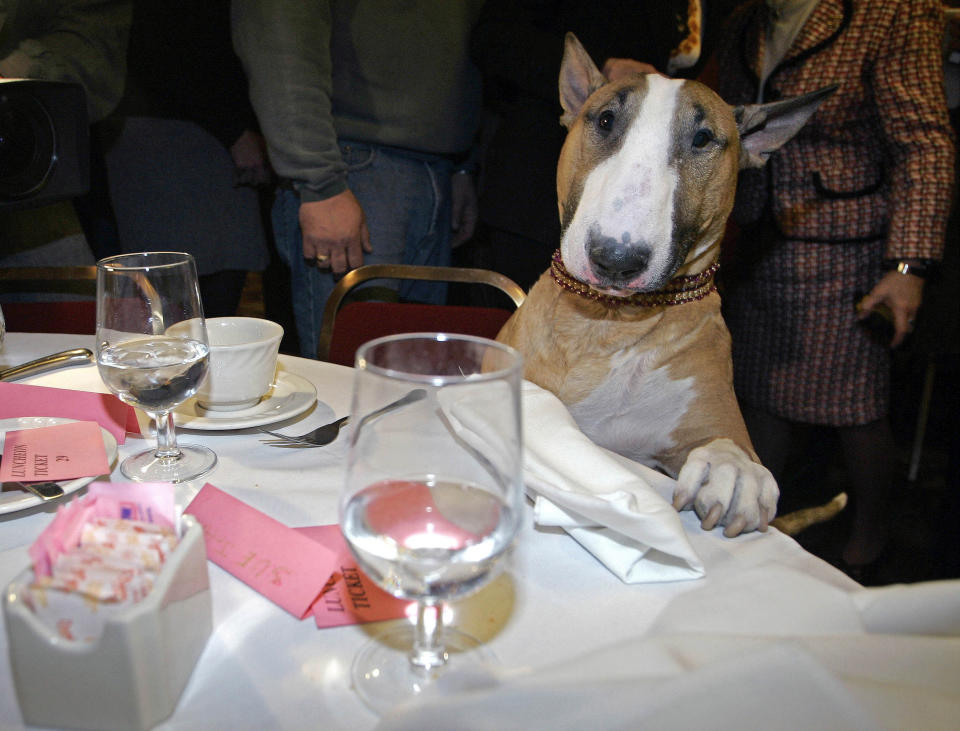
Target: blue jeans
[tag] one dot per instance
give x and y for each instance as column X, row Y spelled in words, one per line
column 406, row 201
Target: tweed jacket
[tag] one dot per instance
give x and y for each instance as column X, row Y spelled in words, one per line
column 876, row 160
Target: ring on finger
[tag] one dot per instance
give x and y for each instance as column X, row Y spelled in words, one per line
column 322, row 259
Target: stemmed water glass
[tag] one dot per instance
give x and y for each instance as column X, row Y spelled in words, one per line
column 433, row 495
column 152, row 352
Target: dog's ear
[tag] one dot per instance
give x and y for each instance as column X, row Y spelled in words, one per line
column 764, row 128
column 579, row 78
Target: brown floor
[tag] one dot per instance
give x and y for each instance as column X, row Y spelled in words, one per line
column 924, row 541
column 922, row 545
column 251, row 301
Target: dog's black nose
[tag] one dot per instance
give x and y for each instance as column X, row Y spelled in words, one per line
column 616, row 261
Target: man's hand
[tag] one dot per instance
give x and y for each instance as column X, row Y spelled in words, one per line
column 902, row 293
column 335, row 230
column 617, row 68
column 466, row 208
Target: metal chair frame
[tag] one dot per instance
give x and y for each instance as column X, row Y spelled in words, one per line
column 61, row 280
column 407, row 271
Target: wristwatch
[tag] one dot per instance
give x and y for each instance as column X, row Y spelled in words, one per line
column 918, row 269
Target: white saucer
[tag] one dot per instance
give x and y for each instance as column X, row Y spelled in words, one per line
column 14, row 500
column 291, row 395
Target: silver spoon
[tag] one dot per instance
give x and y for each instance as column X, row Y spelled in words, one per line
column 76, row 356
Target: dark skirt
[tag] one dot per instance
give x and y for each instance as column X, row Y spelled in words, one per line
column 799, row 351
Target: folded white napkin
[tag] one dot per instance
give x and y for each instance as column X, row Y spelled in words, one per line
column 606, row 503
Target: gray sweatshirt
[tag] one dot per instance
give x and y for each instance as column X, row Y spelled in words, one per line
column 386, row 72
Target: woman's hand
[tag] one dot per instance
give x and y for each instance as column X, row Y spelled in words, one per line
column 617, row 68
column 902, row 293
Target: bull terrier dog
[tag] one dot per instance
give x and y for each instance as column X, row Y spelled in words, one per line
column 625, row 327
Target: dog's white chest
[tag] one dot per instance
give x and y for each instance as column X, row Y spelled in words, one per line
column 636, row 408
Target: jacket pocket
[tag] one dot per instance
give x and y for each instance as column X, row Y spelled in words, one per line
column 826, row 191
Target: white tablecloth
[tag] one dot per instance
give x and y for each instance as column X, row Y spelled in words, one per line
column 557, row 620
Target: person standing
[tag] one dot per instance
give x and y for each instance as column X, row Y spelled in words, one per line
column 182, row 154
column 852, row 210
column 369, row 109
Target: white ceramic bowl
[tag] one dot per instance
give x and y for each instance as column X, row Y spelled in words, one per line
column 243, row 362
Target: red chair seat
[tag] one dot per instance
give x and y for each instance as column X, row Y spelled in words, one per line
column 359, row 322
column 68, row 316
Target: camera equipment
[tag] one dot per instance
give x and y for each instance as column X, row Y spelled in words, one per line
column 44, row 142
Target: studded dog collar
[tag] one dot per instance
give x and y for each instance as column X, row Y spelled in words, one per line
column 678, row 291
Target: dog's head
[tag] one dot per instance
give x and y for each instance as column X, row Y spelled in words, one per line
column 648, row 171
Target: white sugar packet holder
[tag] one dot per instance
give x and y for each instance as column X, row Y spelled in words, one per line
column 128, row 671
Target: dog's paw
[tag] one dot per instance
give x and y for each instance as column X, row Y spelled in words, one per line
column 726, row 487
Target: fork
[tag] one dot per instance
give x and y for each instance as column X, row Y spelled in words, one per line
column 319, row 437
column 324, row 435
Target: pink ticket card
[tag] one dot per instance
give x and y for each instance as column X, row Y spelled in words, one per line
column 60, row 452
column 350, row 596
column 21, row 399
column 284, row 565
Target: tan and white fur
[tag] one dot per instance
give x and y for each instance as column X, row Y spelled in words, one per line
column 645, row 182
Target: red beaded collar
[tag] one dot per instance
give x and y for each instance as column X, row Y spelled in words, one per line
column 678, row 291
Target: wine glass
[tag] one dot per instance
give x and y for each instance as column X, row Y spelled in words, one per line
column 153, row 352
column 433, row 495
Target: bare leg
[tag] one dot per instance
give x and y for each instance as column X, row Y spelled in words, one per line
column 868, row 453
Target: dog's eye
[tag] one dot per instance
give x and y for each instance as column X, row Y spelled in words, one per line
column 702, row 138
column 605, row 121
